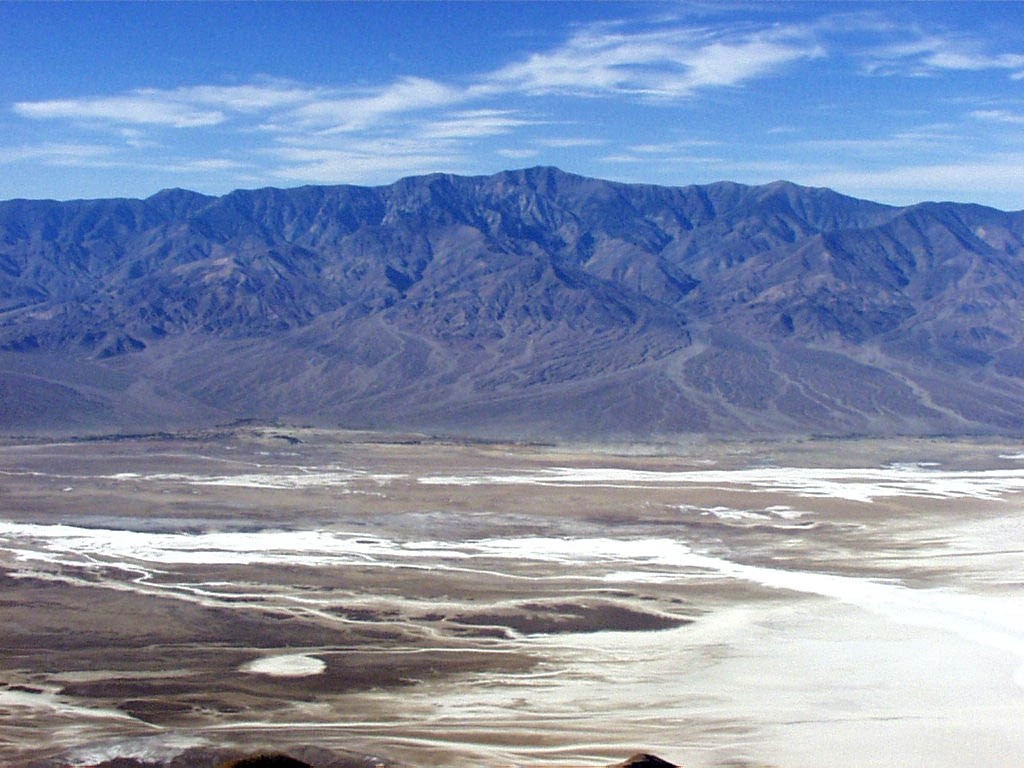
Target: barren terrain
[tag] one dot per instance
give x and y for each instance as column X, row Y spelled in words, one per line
column 840, row 603
column 532, row 304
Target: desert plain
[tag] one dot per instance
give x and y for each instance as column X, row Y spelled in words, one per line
column 432, row 602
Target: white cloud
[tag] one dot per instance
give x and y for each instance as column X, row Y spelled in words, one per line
column 659, row 161
column 929, row 54
column 269, row 129
column 928, row 138
column 185, row 107
column 1007, row 169
column 661, row 63
column 672, row 147
column 141, row 107
column 998, row 116
column 948, row 59
column 518, row 154
column 137, row 139
column 72, row 155
column 623, row 159
column 733, row 62
column 970, row 180
column 210, row 165
column 414, row 123
column 56, row 153
column 347, row 114
column 570, row 142
column 310, row 122
column 474, row 124
column 209, row 105
column 661, row 156
column 249, row 98
column 361, row 161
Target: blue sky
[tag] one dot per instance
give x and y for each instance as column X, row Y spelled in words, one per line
column 896, row 102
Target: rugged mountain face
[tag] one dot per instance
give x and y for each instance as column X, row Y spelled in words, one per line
column 530, row 303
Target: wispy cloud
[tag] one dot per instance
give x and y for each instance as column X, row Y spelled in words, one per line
column 58, row 153
column 621, row 158
column 914, row 182
column 250, row 98
column 360, row 160
column 346, row 114
column 137, row 139
column 998, row 116
column 660, row 98
column 474, row 124
column 139, row 108
column 100, row 156
column 320, row 133
column 216, row 164
column 662, row 63
column 186, row 107
column 919, row 138
column 672, row 147
column 921, row 54
column 518, row 153
column 570, row 142
column 666, row 153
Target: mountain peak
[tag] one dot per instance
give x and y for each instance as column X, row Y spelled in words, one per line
column 176, row 194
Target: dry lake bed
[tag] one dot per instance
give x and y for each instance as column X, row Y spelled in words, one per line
column 846, row 604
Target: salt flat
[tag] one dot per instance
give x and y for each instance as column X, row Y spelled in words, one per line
column 850, row 603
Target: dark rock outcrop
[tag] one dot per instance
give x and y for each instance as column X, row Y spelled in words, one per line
column 645, row 761
column 266, row 761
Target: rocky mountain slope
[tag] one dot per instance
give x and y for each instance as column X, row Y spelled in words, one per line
column 531, row 303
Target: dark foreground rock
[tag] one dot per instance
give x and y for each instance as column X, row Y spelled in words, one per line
column 643, row 760
column 266, row 761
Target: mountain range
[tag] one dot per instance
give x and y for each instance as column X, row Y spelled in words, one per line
column 528, row 304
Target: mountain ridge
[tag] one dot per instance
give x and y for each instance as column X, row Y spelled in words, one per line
column 528, row 303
